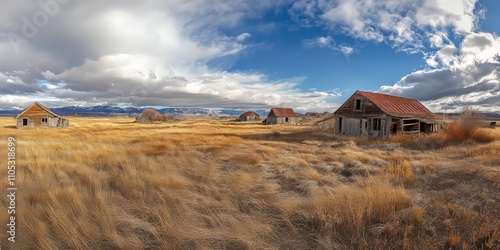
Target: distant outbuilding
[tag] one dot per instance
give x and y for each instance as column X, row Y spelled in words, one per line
column 37, row 115
column 249, row 116
column 281, row 116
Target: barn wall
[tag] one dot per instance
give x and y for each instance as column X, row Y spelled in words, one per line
column 36, row 121
column 249, row 118
column 281, row 120
column 363, row 126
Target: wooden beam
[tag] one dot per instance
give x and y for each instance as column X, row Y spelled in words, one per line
column 410, row 124
column 411, row 132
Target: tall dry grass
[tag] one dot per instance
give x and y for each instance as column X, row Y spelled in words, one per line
column 108, row 183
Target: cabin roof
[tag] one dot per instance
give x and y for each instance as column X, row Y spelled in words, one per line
column 397, row 106
column 282, row 112
column 249, row 113
column 40, row 106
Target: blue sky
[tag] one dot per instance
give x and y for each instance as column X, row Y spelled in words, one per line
column 310, row 55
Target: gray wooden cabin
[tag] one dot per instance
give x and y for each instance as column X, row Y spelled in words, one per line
column 281, row 116
column 381, row 115
column 37, row 115
column 249, row 116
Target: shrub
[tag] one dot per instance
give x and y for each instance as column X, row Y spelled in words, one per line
column 467, row 128
column 150, row 115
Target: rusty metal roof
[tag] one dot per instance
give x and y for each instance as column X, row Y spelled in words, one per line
column 249, row 113
column 397, row 106
column 39, row 105
column 282, row 112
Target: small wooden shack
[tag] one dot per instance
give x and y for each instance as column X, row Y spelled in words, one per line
column 281, row 116
column 37, row 115
column 249, row 116
column 381, row 115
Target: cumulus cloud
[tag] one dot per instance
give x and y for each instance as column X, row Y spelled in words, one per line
column 157, row 53
column 455, row 74
column 466, row 75
column 406, row 25
column 136, row 53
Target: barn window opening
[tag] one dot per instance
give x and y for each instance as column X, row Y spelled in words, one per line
column 286, row 119
column 25, row 121
column 45, row 120
column 357, row 105
column 376, row 123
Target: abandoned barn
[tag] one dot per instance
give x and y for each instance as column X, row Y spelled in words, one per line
column 249, row 116
column 281, row 116
column 37, row 115
column 381, row 115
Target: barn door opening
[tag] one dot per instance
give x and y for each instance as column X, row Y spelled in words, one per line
column 364, row 127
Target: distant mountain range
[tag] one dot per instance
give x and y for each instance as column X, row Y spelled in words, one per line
column 193, row 112
column 133, row 111
column 487, row 115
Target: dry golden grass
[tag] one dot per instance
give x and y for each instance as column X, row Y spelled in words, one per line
column 108, row 183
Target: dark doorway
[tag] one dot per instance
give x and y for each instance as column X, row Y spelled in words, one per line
column 394, row 128
column 340, row 124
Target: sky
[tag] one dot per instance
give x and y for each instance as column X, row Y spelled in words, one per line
column 310, row 55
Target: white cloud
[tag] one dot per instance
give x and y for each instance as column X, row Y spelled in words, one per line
column 243, row 36
column 328, row 42
column 399, row 23
column 139, row 53
column 469, row 75
column 116, row 79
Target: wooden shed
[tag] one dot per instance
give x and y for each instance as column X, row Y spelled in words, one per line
column 249, row 116
column 281, row 116
column 37, row 115
column 381, row 115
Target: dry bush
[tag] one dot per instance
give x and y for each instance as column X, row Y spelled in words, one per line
column 150, row 115
column 467, row 128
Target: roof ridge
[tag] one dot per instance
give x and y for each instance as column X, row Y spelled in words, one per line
column 377, row 93
column 39, row 105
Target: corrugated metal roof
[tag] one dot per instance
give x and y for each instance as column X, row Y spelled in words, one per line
column 397, row 106
column 39, row 105
column 249, row 113
column 281, row 112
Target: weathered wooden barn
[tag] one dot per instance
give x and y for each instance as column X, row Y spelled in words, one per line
column 381, row 115
column 37, row 115
column 281, row 116
column 249, row 116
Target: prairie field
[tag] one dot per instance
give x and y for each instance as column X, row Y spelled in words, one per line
column 109, row 183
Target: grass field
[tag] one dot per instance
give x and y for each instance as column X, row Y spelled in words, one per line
column 108, row 183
